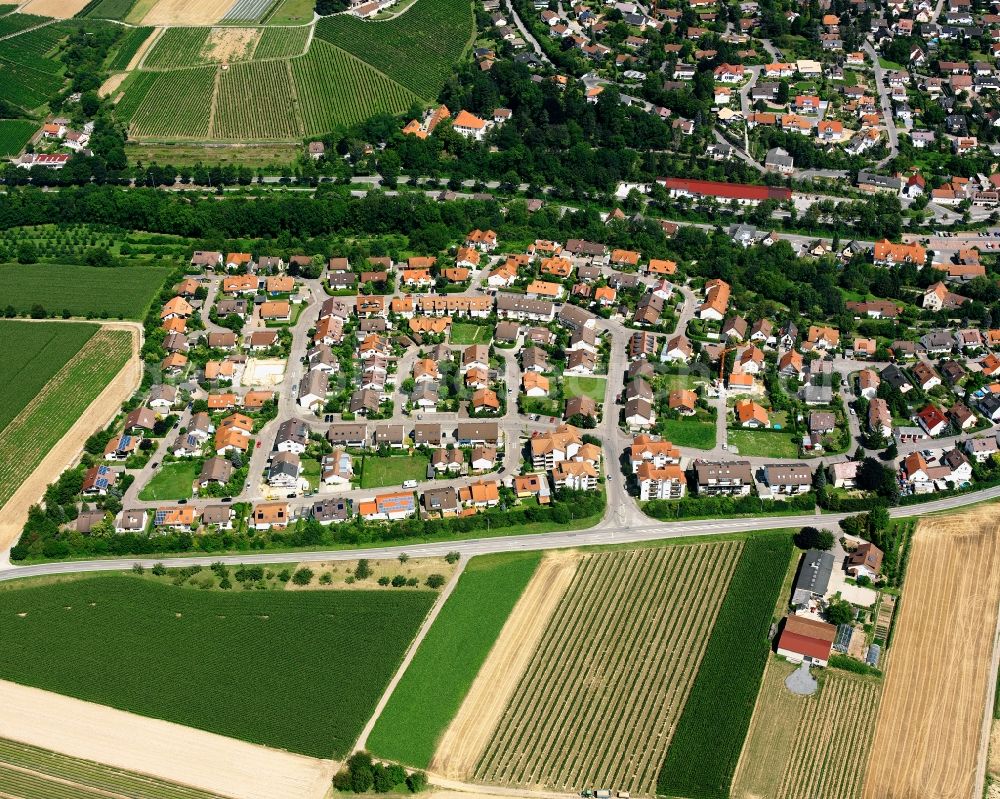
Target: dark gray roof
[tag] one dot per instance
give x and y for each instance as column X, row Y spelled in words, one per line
column 813, row 577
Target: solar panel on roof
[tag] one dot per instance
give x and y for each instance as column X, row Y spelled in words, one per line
column 102, row 482
column 125, row 441
column 159, row 517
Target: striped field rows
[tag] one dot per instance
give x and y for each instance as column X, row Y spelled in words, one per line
column 43, row 421
column 598, row 703
column 833, row 739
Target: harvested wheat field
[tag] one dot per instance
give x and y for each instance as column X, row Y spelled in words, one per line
column 60, row 9
column 158, row 748
column 477, row 717
column 605, row 686
column 186, row 12
column 930, row 735
column 808, row 747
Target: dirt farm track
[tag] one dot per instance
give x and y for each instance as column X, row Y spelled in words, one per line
column 931, row 730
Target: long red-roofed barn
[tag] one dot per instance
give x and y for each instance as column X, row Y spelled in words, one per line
column 805, row 639
column 743, row 193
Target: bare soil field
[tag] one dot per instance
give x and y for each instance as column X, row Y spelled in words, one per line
column 481, row 710
column 609, row 677
column 158, row 748
column 101, row 411
column 231, row 44
column 342, row 574
column 930, row 732
column 186, row 12
column 60, row 9
column 110, row 86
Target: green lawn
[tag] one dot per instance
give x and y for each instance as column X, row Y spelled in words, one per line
column 394, row 470
column 312, row 471
column 171, row 481
column 467, row 333
column 292, row 12
column 593, row 387
column 300, row 671
column 431, row 691
column 885, row 63
column 81, row 290
column 689, row 433
column 763, row 443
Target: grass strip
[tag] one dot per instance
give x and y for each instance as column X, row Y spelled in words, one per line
column 442, row 671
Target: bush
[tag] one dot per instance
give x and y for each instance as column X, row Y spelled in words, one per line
column 362, row 571
column 435, row 580
column 137, row 568
column 398, row 581
column 302, row 577
column 417, row 781
column 159, row 569
column 811, row 538
column 383, row 580
column 845, row 663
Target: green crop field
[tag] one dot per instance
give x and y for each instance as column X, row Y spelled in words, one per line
column 709, row 737
column 35, row 773
column 393, row 471
column 417, row 49
column 360, row 92
column 127, row 47
column 12, row 23
column 34, row 48
column 32, row 353
column 110, row 9
column 28, row 82
column 174, row 104
column 433, row 687
column 353, row 70
column 136, row 87
column 115, row 292
column 255, row 101
column 14, row 134
column 45, row 415
column 281, row 42
column 299, row 670
column 177, row 48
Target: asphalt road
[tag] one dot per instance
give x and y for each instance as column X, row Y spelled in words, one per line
column 603, row 534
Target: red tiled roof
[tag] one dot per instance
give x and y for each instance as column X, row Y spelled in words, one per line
column 731, row 191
